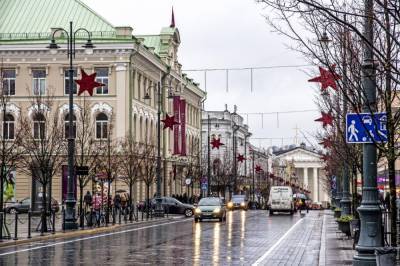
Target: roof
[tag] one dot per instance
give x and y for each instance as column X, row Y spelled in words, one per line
column 280, row 152
column 151, row 41
column 33, row 19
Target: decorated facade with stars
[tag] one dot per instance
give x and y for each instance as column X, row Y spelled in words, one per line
column 111, row 82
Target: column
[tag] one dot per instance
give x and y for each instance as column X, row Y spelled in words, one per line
column 120, row 90
column 315, row 180
column 305, row 177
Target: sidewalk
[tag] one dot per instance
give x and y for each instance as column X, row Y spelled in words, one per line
column 336, row 248
column 22, row 234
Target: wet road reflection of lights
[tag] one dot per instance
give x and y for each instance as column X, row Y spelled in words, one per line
column 229, row 220
column 216, row 240
column 242, row 234
column 197, row 243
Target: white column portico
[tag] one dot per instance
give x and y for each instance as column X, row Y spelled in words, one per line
column 315, row 185
column 305, row 176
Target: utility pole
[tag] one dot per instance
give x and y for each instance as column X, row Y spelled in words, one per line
column 208, row 157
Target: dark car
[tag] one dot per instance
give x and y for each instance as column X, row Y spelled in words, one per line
column 210, row 208
column 238, row 202
column 24, row 205
column 174, row 206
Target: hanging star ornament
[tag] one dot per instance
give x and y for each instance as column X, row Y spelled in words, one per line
column 88, row 83
column 169, row 122
column 240, row 158
column 326, row 119
column 258, row 168
column 327, row 78
column 326, row 143
column 216, row 143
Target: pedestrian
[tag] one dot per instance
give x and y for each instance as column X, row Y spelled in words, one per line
column 117, row 202
column 97, row 204
column 87, row 199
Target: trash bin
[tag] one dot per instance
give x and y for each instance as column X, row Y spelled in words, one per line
column 385, row 256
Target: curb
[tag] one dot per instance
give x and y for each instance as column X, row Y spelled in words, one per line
column 79, row 232
column 322, row 250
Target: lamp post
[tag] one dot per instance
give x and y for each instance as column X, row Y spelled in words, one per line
column 253, row 204
column 370, row 212
column 235, row 128
column 70, row 220
column 158, row 211
column 208, row 156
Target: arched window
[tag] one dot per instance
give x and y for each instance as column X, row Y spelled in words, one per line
column 101, row 126
column 66, row 126
column 8, row 127
column 39, row 126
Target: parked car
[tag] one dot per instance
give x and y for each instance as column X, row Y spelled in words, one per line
column 174, row 206
column 281, row 200
column 210, row 208
column 238, row 202
column 24, row 205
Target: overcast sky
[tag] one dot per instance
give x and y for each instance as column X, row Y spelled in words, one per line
column 230, row 34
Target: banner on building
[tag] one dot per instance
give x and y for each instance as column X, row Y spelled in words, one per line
column 183, row 126
column 176, row 109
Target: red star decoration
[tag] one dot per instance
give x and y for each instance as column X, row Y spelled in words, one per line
column 169, row 122
column 327, row 78
column 240, row 158
column 88, row 83
column 326, row 143
column 258, row 168
column 216, row 143
column 325, row 157
column 326, row 119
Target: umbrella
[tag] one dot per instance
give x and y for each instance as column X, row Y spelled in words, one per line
column 300, row 196
column 120, row 191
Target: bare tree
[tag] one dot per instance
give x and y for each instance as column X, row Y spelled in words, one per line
column 44, row 150
column 148, row 167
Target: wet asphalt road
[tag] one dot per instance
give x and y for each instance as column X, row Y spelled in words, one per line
column 241, row 240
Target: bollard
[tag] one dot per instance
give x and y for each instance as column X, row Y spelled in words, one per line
column 54, row 222
column 29, row 223
column 16, row 227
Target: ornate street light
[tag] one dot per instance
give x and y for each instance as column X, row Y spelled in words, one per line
column 70, row 220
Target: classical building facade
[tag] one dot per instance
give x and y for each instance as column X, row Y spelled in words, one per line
column 129, row 65
column 229, row 128
column 303, row 166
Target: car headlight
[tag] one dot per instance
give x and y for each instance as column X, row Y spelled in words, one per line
column 230, row 204
column 217, row 210
column 197, row 210
column 242, row 204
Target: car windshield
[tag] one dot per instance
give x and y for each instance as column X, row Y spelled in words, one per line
column 237, row 199
column 209, row 202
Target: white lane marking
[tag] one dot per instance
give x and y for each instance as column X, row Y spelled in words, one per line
column 91, row 237
column 257, row 262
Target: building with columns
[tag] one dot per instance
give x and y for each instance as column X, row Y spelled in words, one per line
column 129, row 65
column 306, row 170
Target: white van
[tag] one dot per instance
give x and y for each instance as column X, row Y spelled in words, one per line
column 281, row 200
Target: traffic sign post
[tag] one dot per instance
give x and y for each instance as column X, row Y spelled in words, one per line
column 366, row 128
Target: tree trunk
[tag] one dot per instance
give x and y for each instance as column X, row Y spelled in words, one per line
column 44, row 208
column 392, row 189
column 130, row 201
column 147, row 200
column 108, row 201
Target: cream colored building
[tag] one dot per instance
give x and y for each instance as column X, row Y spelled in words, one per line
column 130, row 65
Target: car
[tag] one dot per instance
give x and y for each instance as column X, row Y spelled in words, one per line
column 281, row 200
column 238, row 202
column 174, row 206
column 24, row 205
column 210, row 208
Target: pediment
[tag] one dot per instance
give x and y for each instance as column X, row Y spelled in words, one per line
column 300, row 155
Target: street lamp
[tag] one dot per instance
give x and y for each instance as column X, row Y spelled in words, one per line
column 159, row 211
column 70, row 201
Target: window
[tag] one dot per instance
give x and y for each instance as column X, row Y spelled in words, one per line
column 8, row 127
column 39, row 81
column 8, row 81
column 101, row 126
column 39, row 126
column 66, row 126
column 102, row 77
column 66, row 81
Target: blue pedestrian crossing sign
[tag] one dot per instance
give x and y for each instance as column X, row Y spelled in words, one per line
column 204, row 186
column 366, row 128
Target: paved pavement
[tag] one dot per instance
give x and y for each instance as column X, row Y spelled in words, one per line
column 246, row 238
